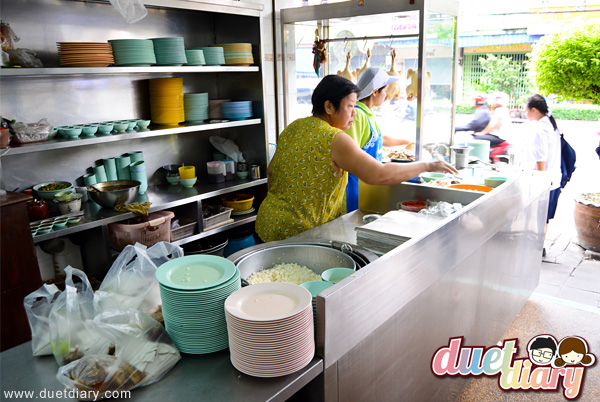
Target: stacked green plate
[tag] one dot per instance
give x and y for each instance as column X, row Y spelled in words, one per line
column 195, row 107
column 193, row 291
column 214, row 56
column 133, row 52
column 195, row 57
column 169, row 51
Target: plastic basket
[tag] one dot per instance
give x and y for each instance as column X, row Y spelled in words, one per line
column 158, row 228
column 217, row 219
column 185, row 229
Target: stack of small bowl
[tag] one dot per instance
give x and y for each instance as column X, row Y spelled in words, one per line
column 214, row 55
column 237, row 54
column 241, row 110
column 169, row 51
column 193, row 291
column 85, row 54
column 133, row 52
column 196, row 107
column 195, row 57
column 166, row 101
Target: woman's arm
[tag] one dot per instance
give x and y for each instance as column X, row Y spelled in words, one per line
column 392, row 142
column 540, row 166
column 346, row 155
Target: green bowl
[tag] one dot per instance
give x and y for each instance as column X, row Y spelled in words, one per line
column 49, row 194
column 494, row 181
column 90, row 129
column 143, row 123
column 173, row 180
column 121, row 126
column 336, row 274
column 431, row 176
column 63, row 195
column 73, row 132
column 316, row 287
column 188, row 182
column 105, row 128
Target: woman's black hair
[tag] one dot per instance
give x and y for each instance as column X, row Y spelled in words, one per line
column 538, row 102
column 332, row 88
column 541, row 343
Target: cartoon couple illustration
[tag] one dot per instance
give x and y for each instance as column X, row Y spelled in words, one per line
column 572, row 350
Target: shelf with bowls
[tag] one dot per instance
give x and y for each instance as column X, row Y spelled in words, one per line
column 60, row 143
column 74, row 71
column 161, row 198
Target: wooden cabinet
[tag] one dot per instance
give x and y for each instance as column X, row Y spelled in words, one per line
column 20, row 273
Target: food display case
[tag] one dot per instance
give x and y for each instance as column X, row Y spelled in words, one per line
column 415, row 40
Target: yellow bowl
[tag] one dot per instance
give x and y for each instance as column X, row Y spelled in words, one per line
column 239, row 202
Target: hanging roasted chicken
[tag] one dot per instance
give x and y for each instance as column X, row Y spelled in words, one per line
column 346, row 73
column 395, row 89
column 412, row 88
column 356, row 73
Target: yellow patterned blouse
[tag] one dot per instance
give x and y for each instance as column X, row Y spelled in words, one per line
column 304, row 192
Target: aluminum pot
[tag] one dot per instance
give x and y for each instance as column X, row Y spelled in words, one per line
column 311, row 256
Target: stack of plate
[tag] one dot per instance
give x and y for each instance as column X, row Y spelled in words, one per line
column 237, row 110
column 196, row 107
column 213, row 55
column 85, row 54
column 270, row 327
column 169, row 51
column 133, row 52
column 195, row 57
column 166, row 101
column 238, row 54
column 193, row 291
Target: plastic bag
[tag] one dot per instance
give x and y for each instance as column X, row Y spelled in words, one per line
column 72, row 332
column 144, row 354
column 31, row 132
column 7, row 38
column 24, row 58
column 440, row 208
column 37, row 306
column 140, row 341
column 130, row 283
column 132, row 10
column 228, row 147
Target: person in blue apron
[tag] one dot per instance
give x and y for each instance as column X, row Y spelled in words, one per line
column 373, row 84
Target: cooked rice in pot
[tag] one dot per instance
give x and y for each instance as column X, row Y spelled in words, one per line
column 286, row 272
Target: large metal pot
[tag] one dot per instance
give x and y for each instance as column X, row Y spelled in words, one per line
column 315, row 257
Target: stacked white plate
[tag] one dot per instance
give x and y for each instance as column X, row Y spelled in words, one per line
column 270, row 327
column 240, row 110
column 169, row 51
column 195, row 57
column 85, row 54
column 238, row 54
column 193, row 291
column 195, row 107
column 133, row 52
column 213, row 56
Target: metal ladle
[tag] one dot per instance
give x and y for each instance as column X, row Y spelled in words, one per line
column 474, row 159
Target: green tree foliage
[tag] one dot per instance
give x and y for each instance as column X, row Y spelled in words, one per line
column 500, row 74
column 567, row 64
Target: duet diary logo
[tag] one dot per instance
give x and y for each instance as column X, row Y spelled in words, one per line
column 549, row 363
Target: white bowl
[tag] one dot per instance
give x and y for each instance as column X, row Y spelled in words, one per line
column 73, row 205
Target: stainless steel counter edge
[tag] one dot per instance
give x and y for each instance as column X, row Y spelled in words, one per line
column 392, row 281
column 209, row 377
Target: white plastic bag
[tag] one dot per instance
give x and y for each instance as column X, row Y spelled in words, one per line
column 132, row 10
column 37, row 306
column 228, row 147
column 72, row 333
column 130, row 283
column 144, row 354
column 140, row 341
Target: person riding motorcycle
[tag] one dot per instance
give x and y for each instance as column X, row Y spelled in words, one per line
column 482, row 115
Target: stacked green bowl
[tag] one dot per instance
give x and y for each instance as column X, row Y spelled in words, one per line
column 195, row 107
column 133, row 52
column 169, row 51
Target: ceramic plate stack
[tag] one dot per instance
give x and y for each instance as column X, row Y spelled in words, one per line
column 196, row 107
column 193, row 291
column 85, row 54
column 270, row 327
column 166, row 101
column 169, row 51
column 133, row 52
column 238, row 54
column 241, row 110
column 195, row 57
column 214, row 56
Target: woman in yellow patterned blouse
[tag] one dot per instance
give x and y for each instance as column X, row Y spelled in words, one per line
column 308, row 173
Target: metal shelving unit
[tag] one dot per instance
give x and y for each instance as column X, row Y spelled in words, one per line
column 75, row 71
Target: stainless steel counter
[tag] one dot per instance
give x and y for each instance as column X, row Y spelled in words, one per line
column 208, row 377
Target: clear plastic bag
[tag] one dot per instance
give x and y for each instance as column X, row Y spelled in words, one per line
column 144, row 354
column 37, row 307
column 72, row 332
column 132, row 10
column 228, row 147
column 31, row 132
column 130, row 283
